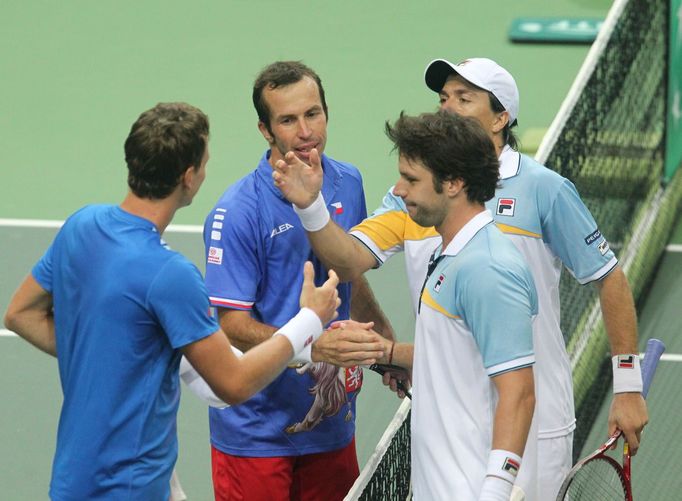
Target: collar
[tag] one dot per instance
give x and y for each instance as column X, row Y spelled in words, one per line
column 510, row 162
column 330, row 181
column 467, row 232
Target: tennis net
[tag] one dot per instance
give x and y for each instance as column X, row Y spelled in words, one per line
column 608, row 138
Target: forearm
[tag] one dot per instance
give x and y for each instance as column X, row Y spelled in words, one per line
column 365, row 308
column 341, row 252
column 618, row 311
column 514, row 410
column 29, row 315
column 243, row 331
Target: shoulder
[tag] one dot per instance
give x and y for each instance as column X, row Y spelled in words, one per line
column 239, row 198
column 532, row 169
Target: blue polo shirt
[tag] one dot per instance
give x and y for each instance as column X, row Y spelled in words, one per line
column 123, row 305
column 255, row 251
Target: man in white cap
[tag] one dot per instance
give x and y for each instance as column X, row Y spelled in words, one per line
column 548, row 222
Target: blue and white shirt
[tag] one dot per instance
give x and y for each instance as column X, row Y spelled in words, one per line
column 256, row 248
column 474, row 323
column 543, row 215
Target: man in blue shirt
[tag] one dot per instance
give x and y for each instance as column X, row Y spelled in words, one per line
column 118, row 308
column 295, row 439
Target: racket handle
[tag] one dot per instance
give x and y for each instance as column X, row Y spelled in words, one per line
column 654, row 350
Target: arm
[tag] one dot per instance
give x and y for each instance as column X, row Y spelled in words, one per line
column 235, row 379
column 514, row 410
column 301, row 184
column 628, row 411
column 29, row 314
column 365, row 308
column 242, row 329
column 511, row 425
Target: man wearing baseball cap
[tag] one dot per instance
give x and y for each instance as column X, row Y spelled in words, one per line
column 545, row 218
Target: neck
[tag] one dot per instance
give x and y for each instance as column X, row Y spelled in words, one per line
column 456, row 219
column 160, row 212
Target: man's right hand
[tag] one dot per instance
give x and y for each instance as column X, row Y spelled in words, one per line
column 299, row 183
column 347, row 343
column 324, row 300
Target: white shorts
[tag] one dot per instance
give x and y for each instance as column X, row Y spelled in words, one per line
column 545, row 466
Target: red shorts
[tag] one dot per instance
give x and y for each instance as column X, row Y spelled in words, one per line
column 324, row 476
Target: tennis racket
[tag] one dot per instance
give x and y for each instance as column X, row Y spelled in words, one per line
column 396, row 369
column 599, row 477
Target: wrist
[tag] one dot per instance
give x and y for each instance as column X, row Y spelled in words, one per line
column 627, row 375
column 302, row 331
column 503, row 464
column 315, row 216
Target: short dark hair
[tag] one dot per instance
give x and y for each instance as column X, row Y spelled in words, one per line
column 163, row 143
column 280, row 74
column 451, row 147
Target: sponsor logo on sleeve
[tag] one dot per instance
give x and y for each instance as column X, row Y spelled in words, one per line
column 603, row 247
column 216, row 235
column 217, row 225
column 219, row 217
column 506, row 206
column 215, row 255
column 220, row 209
column 593, row 237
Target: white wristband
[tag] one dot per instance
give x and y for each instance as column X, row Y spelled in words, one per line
column 302, row 330
column 305, row 356
column 627, row 376
column 315, row 216
column 503, row 464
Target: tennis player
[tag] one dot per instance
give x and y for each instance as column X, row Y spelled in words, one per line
column 472, row 359
column 295, row 439
column 117, row 308
column 547, row 221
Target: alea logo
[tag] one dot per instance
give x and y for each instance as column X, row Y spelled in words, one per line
column 281, row 229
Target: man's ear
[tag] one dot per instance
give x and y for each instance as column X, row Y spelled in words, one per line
column 500, row 121
column 266, row 133
column 188, row 177
column 453, row 187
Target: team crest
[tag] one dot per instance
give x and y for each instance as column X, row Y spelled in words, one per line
column 506, row 206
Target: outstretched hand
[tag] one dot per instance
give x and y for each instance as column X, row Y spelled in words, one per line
column 324, row 300
column 299, row 183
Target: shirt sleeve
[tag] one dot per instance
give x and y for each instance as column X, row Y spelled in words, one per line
column 233, row 270
column 571, row 233
column 499, row 306
column 42, row 271
column 179, row 300
column 383, row 232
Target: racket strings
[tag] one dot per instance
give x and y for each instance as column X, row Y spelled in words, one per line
column 597, row 480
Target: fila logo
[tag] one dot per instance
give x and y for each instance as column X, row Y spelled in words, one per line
column 505, row 206
column 281, row 229
column 439, row 282
column 511, row 466
column 626, row 361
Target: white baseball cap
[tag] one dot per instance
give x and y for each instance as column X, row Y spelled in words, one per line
column 483, row 73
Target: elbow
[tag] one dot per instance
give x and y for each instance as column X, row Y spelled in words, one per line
column 11, row 320
column 235, row 394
